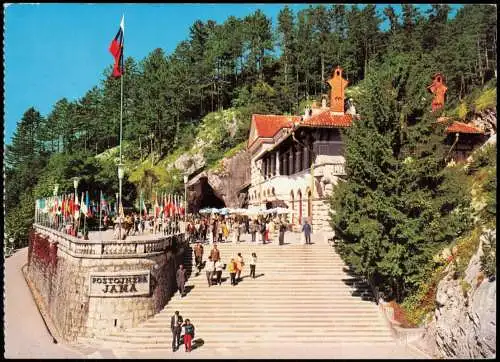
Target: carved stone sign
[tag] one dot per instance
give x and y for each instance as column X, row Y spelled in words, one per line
column 119, row 284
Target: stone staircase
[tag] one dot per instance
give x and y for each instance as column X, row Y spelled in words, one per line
column 303, row 294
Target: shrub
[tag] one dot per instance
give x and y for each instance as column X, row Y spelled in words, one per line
column 488, row 260
column 487, row 99
column 420, row 304
column 462, row 111
column 466, row 248
column 465, row 287
column 482, row 158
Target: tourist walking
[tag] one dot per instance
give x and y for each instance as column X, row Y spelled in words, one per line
column 253, row 263
column 263, row 231
column 214, row 231
column 181, row 279
column 306, row 228
column 137, row 222
column 219, row 230
column 253, row 229
column 218, row 270
column 198, row 256
column 176, row 326
column 143, row 225
column 282, row 230
column 188, row 334
column 197, row 227
column 271, row 229
column 237, row 231
column 225, row 231
column 267, row 230
column 210, row 270
column 239, row 266
column 215, row 253
column 232, row 271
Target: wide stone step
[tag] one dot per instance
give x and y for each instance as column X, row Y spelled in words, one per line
column 353, row 319
column 306, row 295
column 205, row 328
column 160, row 328
column 280, row 307
column 278, row 300
column 165, row 347
column 359, row 314
column 238, row 336
column 327, row 302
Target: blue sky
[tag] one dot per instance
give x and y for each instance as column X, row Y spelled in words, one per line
column 54, row 51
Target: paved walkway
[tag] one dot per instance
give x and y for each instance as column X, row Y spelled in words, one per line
column 25, row 333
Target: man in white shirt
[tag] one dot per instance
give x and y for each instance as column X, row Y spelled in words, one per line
column 210, row 270
column 218, row 270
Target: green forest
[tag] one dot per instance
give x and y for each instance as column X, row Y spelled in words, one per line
column 250, row 65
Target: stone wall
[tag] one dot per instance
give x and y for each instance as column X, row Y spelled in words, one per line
column 63, row 283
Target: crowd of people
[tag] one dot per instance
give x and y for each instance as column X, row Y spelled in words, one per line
column 214, row 265
column 222, row 229
column 135, row 224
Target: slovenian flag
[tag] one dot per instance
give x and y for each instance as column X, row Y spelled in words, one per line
column 116, row 50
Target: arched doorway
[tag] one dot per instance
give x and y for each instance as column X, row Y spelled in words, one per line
column 300, row 206
column 293, row 206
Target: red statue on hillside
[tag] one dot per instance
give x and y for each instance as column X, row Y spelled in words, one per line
column 338, row 85
column 438, row 88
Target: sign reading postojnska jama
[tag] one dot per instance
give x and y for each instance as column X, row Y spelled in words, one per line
column 119, row 284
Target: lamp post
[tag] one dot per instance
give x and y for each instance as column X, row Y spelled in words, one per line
column 120, row 178
column 56, row 189
column 75, row 185
column 185, row 198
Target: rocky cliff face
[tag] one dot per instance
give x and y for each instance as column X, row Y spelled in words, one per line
column 225, row 180
column 464, row 324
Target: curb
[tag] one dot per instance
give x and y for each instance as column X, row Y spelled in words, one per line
column 419, row 350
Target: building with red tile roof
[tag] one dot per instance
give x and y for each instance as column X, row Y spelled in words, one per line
column 296, row 160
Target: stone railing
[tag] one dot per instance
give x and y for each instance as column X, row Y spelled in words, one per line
column 108, row 249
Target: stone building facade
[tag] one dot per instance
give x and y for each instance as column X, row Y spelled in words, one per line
column 94, row 288
column 296, row 160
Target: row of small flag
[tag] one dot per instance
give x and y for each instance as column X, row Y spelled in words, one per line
column 164, row 206
column 69, row 204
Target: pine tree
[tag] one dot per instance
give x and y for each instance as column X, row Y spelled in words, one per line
column 398, row 204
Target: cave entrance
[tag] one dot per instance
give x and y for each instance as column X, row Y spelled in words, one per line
column 208, row 198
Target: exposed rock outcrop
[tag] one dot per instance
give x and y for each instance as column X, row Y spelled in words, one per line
column 486, row 120
column 188, row 164
column 227, row 180
column 464, row 324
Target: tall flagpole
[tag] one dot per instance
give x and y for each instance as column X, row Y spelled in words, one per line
column 100, row 214
column 120, row 170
